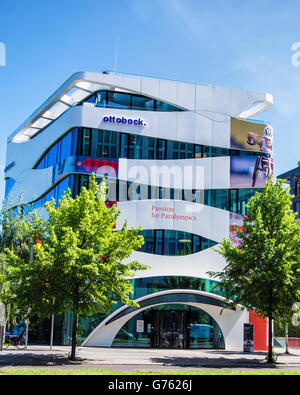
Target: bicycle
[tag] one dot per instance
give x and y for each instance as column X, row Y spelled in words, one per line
column 17, row 341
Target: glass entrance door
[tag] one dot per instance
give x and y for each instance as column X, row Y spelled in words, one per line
column 171, row 326
column 169, row 329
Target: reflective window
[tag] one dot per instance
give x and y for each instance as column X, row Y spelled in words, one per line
column 233, row 200
column 199, row 151
column 10, row 182
column 105, row 144
column 86, row 141
column 135, row 147
column 64, row 148
column 173, row 243
column 62, row 188
column 99, row 143
column 179, row 150
column 244, row 196
column 79, row 181
column 297, row 209
column 207, row 152
column 161, row 106
column 149, row 238
column 220, row 198
column 91, row 99
column 149, row 285
column 296, row 189
column 159, row 242
column 161, row 149
column 142, row 103
column 127, row 101
column 215, row 151
column 101, row 99
column 57, row 193
column 52, row 156
column 124, row 145
column 118, row 100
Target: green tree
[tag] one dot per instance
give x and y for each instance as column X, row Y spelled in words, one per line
column 14, row 236
column 81, row 263
column 287, row 310
column 262, row 273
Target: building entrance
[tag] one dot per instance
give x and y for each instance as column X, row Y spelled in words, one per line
column 176, row 326
column 170, row 329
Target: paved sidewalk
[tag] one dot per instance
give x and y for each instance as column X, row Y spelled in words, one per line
column 132, row 359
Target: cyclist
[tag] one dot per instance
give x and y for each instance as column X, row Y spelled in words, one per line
column 265, row 142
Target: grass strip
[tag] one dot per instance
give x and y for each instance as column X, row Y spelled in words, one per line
column 195, row 372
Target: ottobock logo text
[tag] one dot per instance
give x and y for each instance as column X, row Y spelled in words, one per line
column 124, row 121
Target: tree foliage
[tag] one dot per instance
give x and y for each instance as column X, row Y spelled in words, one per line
column 15, row 237
column 81, row 263
column 262, row 273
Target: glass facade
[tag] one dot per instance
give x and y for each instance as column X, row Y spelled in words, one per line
column 9, row 183
column 177, row 326
column 150, row 285
column 57, row 193
column 233, row 200
column 60, row 151
column 140, row 287
column 128, row 101
column 173, row 243
column 99, row 143
column 297, row 209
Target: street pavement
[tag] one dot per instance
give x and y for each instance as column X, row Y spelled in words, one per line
column 140, row 359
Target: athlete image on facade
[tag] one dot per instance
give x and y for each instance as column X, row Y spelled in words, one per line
column 265, row 142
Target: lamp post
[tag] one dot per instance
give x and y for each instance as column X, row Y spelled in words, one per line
column 51, row 336
column 2, row 324
column 26, row 337
column 52, row 328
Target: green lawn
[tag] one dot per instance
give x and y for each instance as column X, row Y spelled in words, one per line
column 221, row 372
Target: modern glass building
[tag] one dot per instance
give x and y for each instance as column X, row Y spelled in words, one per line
column 292, row 177
column 181, row 160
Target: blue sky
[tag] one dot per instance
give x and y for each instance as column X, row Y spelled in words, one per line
column 230, row 43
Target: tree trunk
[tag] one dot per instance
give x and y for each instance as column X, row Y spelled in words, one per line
column 270, row 338
column 74, row 335
column 287, row 351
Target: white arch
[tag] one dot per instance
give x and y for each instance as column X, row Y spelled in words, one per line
column 230, row 321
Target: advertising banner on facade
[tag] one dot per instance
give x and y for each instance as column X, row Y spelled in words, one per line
column 251, row 136
column 86, row 165
column 250, row 171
